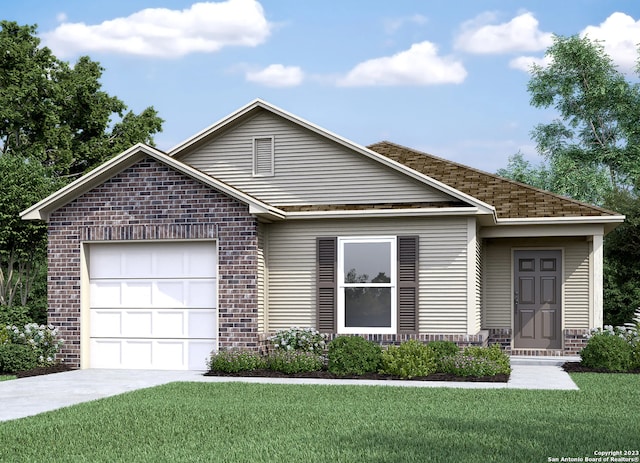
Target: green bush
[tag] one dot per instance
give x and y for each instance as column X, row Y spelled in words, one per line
column 294, row 361
column 303, row 339
column 353, row 355
column 478, row 361
column 235, row 360
column 608, row 350
column 442, row 350
column 408, row 360
column 17, row 357
column 15, row 315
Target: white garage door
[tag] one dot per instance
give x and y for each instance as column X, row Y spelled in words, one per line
column 152, row 305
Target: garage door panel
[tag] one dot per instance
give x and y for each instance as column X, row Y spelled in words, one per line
column 151, row 354
column 170, row 324
column 202, row 324
column 105, row 323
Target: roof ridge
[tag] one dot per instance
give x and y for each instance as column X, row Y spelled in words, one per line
column 504, row 179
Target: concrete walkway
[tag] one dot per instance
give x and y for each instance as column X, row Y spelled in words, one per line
column 29, row 396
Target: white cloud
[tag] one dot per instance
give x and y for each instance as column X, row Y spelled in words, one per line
column 204, row 27
column 524, row 63
column 392, row 25
column 420, row 65
column 620, row 34
column 61, row 17
column 277, row 75
column 519, row 34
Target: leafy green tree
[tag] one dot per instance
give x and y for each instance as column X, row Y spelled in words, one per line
column 598, row 108
column 58, row 114
column 56, row 123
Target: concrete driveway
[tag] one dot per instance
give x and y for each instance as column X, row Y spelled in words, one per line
column 37, row 394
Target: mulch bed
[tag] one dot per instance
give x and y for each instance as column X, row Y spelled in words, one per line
column 328, row 375
column 58, row 368
column 577, row 367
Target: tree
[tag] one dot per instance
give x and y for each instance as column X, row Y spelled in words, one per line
column 598, row 108
column 58, row 114
column 561, row 175
column 56, row 123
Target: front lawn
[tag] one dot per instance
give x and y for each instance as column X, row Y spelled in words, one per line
column 236, row 422
column 6, row 377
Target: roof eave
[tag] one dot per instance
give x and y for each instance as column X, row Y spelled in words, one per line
column 372, row 213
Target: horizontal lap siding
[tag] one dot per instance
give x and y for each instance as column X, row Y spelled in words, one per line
column 498, row 274
column 309, row 169
column 576, row 293
column 442, row 274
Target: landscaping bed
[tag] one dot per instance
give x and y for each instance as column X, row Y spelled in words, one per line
column 38, row 371
column 323, row 374
column 578, row 367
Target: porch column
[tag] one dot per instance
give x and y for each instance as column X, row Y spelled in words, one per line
column 597, row 276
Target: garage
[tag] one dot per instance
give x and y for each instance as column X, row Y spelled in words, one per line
column 152, row 305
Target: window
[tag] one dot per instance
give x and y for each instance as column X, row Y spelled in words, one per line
column 367, row 285
column 263, row 157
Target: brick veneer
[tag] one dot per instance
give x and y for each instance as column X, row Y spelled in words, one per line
column 150, row 201
column 574, row 342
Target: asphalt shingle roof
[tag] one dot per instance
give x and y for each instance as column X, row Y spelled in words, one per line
column 511, row 199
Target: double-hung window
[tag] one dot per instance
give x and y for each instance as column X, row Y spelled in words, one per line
column 367, row 288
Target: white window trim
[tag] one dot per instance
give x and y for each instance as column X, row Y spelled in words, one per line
column 341, row 328
column 254, row 151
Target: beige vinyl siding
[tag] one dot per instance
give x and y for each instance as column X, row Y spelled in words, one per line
column 308, row 169
column 498, row 284
column 576, row 292
column 442, row 272
column 262, row 279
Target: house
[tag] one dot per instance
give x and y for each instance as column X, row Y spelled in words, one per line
column 265, row 221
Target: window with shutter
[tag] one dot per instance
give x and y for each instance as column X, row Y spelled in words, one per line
column 367, row 284
column 263, row 157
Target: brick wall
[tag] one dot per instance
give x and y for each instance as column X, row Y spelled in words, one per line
column 574, row 342
column 150, row 201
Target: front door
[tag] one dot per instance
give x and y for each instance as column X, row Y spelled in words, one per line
column 537, row 299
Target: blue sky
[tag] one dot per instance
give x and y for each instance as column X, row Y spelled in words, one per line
column 446, row 77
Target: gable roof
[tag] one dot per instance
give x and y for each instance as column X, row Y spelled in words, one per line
column 102, row 173
column 511, row 199
column 247, row 111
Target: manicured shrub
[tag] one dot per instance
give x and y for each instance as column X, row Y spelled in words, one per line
column 478, row 362
column 235, row 361
column 408, row 360
column 294, row 361
column 353, row 355
column 609, row 350
column 442, row 350
column 17, row 357
column 304, row 339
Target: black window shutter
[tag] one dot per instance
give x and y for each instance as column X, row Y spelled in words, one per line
column 407, row 284
column 326, row 282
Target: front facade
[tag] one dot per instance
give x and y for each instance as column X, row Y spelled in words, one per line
column 265, row 221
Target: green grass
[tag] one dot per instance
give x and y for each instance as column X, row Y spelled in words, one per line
column 7, row 377
column 236, row 422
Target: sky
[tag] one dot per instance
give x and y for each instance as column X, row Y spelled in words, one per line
column 445, row 77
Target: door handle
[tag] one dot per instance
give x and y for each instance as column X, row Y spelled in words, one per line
column 516, row 300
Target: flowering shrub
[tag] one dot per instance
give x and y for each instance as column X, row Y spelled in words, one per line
column 294, row 361
column 304, row 339
column 42, row 339
column 478, row 361
column 235, row 360
column 441, row 350
column 408, row 360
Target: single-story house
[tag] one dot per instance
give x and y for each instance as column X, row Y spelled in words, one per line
column 265, row 221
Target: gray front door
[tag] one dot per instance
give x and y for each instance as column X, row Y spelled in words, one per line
column 537, row 299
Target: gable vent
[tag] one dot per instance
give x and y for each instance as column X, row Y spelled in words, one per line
column 263, row 156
